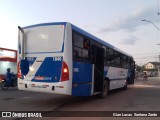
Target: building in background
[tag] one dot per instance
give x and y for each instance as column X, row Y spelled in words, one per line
column 152, row 65
column 152, row 68
column 8, row 59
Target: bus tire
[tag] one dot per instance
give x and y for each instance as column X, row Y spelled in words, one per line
column 105, row 90
column 125, row 86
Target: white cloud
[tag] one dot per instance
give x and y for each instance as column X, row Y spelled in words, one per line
column 131, row 22
column 129, row 41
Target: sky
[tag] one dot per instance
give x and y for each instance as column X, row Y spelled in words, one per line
column 117, row 22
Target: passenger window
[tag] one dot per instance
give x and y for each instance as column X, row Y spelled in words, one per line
column 78, row 40
column 117, row 59
column 77, row 52
column 81, row 47
column 85, row 54
column 86, row 44
column 110, row 58
column 124, row 61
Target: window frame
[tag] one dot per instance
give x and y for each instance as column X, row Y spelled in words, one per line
column 81, row 58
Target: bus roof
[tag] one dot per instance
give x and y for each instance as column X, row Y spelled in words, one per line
column 45, row 24
column 79, row 30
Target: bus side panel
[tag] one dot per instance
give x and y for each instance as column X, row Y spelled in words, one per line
column 82, row 79
column 81, row 90
column 117, row 77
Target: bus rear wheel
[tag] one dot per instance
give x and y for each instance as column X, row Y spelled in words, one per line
column 105, row 90
column 125, row 86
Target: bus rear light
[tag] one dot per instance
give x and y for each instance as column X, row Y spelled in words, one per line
column 65, row 72
column 59, row 86
column 19, row 74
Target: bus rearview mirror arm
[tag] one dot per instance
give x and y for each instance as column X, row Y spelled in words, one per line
column 23, row 40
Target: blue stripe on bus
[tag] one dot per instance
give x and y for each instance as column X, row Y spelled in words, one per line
column 50, row 70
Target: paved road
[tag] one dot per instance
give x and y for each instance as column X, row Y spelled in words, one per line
column 142, row 96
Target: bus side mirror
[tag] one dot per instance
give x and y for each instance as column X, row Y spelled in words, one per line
column 24, row 66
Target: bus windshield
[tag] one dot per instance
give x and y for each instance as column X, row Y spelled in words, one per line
column 44, row 38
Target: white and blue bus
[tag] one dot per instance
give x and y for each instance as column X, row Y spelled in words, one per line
column 61, row 58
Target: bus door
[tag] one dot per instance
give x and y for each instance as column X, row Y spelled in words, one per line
column 98, row 61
